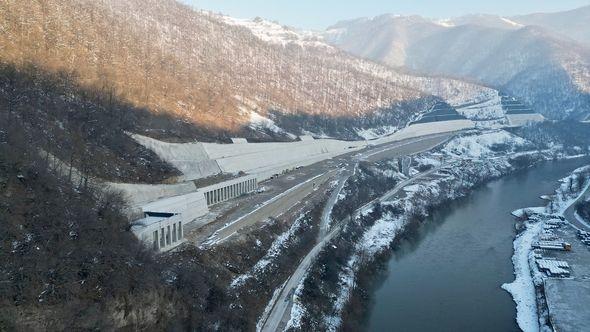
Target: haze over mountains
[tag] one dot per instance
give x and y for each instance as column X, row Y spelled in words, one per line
column 543, row 59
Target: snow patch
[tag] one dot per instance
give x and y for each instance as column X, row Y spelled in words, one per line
column 275, row 33
column 522, row 288
column 477, row 146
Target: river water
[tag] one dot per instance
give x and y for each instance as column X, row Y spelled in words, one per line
column 447, row 276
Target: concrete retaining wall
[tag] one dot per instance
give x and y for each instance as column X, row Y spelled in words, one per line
column 422, row 129
column 190, row 206
column 265, row 159
column 161, row 234
column 140, row 194
column 519, row 120
column 189, row 158
column 198, row 160
column 227, row 190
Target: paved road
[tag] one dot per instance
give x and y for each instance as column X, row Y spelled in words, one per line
column 296, row 186
column 327, row 212
column 570, row 212
column 273, row 208
column 281, row 308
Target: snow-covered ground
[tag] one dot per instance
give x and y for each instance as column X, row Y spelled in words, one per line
column 374, row 133
column 488, row 110
column 259, row 122
column 275, row 33
column 522, row 288
column 448, row 183
column 483, row 145
column 278, row 245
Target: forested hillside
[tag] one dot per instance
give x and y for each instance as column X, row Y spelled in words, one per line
column 204, row 71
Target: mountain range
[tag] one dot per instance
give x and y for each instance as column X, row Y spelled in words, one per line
column 80, row 75
column 222, row 76
column 543, row 59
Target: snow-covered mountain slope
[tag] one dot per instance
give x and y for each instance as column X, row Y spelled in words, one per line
column 571, row 24
column 214, row 72
column 539, row 67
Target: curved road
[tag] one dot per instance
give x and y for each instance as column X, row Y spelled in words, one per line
column 281, row 308
column 570, row 212
column 318, row 174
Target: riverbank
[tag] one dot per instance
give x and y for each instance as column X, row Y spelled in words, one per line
column 336, row 293
column 332, row 295
column 548, row 298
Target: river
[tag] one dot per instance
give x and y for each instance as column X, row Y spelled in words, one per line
column 447, row 276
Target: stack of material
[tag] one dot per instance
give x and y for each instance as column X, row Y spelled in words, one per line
column 552, row 245
column 554, row 268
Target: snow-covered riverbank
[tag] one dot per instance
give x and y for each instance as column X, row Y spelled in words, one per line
column 468, row 161
column 526, row 288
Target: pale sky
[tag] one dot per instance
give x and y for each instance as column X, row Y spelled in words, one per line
column 319, row 14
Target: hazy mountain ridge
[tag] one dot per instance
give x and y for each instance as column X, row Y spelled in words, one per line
column 546, row 70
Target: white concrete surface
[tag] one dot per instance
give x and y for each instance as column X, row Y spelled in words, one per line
column 224, row 191
column 197, row 160
column 160, row 233
column 238, row 140
column 266, row 159
column 180, row 210
column 140, row 194
column 422, row 129
column 189, row 158
column 190, row 206
column 519, row 120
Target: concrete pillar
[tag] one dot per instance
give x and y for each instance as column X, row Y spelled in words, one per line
column 174, row 233
column 168, row 236
column 179, row 230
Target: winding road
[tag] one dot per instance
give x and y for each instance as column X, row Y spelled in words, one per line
column 280, row 312
column 570, row 212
